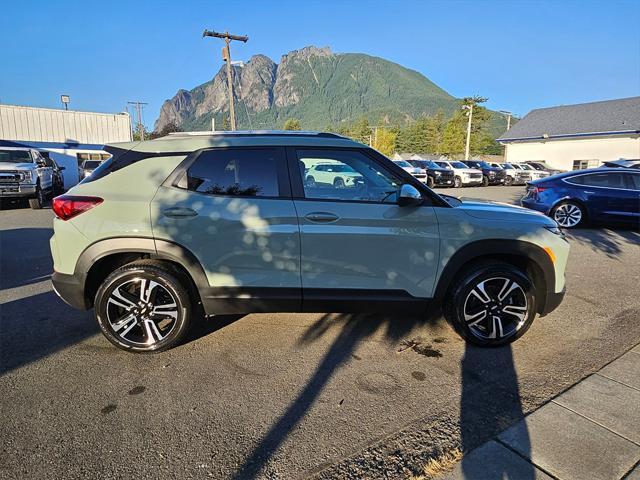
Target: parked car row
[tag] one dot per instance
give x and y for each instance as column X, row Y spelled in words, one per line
column 472, row 173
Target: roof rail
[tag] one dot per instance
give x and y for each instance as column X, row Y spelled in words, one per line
column 262, row 133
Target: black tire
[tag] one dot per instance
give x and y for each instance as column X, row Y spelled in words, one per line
column 569, row 214
column 117, row 296
column 38, row 201
column 311, row 182
column 464, row 309
column 457, row 182
column 485, row 181
column 338, row 183
column 430, row 182
column 508, row 181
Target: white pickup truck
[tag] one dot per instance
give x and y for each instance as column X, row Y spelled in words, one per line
column 25, row 174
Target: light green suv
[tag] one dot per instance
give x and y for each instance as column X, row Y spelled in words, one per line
column 193, row 224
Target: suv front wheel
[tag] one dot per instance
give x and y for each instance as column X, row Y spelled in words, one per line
column 144, row 307
column 491, row 305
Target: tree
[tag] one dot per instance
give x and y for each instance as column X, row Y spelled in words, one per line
column 292, row 124
column 384, row 141
column 166, row 130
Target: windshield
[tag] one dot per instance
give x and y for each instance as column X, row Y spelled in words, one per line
column 525, row 167
column 15, row 156
column 458, row 165
column 536, row 166
column 91, row 164
column 506, row 165
column 432, row 165
column 402, row 163
column 442, row 164
column 484, row 165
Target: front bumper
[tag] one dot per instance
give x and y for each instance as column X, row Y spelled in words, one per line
column 554, row 299
column 70, row 289
column 7, row 190
column 443, row 181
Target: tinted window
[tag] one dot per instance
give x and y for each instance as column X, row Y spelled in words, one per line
column 240, row 172
column 635, row 180
column 608, row 180
column 458, row 165
column 348, row 175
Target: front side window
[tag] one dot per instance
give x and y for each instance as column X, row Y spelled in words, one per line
column 346, row 175
column 245, row 172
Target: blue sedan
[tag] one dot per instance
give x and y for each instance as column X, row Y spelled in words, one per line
column 602, row 195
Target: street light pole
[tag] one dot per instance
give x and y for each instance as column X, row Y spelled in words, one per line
column 226, row 56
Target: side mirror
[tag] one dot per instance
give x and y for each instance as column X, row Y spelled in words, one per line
column 62, row 168
column 409, row 196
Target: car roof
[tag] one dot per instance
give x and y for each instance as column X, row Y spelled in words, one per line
column 180, row 142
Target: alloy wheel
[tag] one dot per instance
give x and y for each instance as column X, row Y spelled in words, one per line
column 568, row 215
column 142, row 311
column 496, row 308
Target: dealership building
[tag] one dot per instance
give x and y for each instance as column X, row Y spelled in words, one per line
column 573, row 137
column 68, row 136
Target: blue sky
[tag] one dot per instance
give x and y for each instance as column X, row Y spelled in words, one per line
column 520, row 54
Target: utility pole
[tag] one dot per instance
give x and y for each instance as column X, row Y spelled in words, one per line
column 508, row 115
column 139, row 106
column 226, row 56
column 466, row 150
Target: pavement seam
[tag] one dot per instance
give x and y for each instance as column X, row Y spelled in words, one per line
column 637, row 353
column 618, row 381
column 595, row 422
column 528, row 460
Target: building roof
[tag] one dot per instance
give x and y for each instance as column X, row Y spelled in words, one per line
column 610, row 117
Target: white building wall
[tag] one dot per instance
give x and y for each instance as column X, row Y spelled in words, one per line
column 63, row 133
column 52, row 125
column 561, row 153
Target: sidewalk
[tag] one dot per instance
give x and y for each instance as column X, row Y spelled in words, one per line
column 591, row 431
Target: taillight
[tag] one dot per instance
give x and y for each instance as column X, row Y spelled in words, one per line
column 69, row 206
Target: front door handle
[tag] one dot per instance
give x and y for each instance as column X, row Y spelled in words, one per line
column 321, row 217
column 179, row 212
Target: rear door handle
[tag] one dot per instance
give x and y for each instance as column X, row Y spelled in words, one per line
column 321, row 217
column 179, row 212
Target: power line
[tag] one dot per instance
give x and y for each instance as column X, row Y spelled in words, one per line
column 139, row 106
column 226, row 56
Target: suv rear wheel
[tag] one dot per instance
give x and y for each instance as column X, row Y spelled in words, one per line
column 491, row 304
column 144, row 307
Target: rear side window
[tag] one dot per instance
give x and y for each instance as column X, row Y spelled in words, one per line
column 606, row 180
column 635, row 180
column 243, row 172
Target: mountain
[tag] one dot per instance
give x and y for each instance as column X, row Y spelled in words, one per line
column 314, row 85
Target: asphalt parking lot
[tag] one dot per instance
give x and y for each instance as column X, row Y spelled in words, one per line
column 285, row 395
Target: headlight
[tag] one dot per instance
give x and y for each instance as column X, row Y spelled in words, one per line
column 492, row 174
column 438, row 174
column 28, row 175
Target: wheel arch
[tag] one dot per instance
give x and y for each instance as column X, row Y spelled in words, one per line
column 524, row 255
column 103, row 257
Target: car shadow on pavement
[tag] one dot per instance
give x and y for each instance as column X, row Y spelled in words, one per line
column 606, row 240
column 490, row 402
column 353, row 329
column 24, row 256
column 36, row 326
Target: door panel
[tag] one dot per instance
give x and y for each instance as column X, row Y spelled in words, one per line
column 231, row 210
column 248, row 242
column 354, row 236
column 368, row 246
